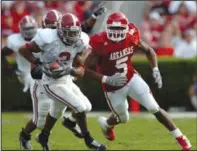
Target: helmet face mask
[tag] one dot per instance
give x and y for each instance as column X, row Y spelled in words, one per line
column 116, row 34
column 28, row 27
column 29, row 32
column 117, row 27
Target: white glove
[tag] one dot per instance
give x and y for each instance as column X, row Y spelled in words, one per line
column 115, row 80
column 157, row 77
column 27, row 83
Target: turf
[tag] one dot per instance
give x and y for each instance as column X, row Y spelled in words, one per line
column 138, row 134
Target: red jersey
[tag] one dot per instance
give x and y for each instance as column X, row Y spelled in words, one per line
column 115, row 57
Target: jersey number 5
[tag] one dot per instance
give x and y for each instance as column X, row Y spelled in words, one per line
column 121, row 64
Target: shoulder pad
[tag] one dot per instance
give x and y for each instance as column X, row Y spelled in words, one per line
column 134, row 33
column 47, row 35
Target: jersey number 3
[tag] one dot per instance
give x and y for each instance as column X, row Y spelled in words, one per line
column 121, row 64
column 64, row 56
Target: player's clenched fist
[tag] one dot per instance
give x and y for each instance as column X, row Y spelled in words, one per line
column 157, row 77
column 115, row 80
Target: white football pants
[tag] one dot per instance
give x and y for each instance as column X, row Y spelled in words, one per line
column 137, row 89
column 66, row 95
column 41, row 103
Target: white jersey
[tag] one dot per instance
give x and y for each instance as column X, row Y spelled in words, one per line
column 54, row 49
column 14, row 42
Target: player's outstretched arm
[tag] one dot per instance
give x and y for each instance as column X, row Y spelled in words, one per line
column 90, row 65
column 150, row 53
column 91, row 62
column 78, row 64
column 152, row 58
column 27, row 50
column 88, row 24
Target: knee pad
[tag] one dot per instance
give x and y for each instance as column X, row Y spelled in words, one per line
column 124, row 117
column 88, row 106
column 81, row 108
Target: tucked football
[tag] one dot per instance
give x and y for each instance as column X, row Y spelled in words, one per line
column 55, row 66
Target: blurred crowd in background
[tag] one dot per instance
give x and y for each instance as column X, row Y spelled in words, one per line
column 168, row 26
column 13, row 11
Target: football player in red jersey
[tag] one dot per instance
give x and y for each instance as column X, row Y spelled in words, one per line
column 112, row 51
column 50, row 21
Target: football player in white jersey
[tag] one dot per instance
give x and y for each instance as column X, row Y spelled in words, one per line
column 59, row 48
column 41, row 104
column 28, row 29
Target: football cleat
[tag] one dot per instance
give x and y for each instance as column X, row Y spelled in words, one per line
column 72, row 126
column 107, row 131
column 24, row 141
column 43, row 138
column 93, row 144
column 184, row 143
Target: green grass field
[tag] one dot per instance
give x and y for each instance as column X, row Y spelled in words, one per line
column 138, row 134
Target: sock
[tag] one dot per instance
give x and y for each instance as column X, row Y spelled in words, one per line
column 29, row 128
column 49, row 123
column 177, row 133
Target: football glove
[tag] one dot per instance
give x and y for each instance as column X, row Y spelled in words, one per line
column 99, row 11
column 115, row 80
column 157, row 77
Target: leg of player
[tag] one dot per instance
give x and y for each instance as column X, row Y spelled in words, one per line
column 63, row 95
column 51, row 119
column 43, row 137
column 25, row 137
column 81, row 119
column 71, row 124
column 119, row 106
column 164, row 119
column 140, row 91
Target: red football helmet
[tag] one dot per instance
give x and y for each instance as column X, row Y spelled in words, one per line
column 117, row 26
column 28, row 27
column 50, row 19
column 69, row 28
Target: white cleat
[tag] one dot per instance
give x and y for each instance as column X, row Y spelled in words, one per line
column 107, row 131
